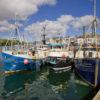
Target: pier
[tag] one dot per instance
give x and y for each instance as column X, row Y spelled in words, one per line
column 97, row 97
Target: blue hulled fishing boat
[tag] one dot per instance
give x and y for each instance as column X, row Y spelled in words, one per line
column 18, row 62
column 88, row 67
column 87, row 59
column 19, row 57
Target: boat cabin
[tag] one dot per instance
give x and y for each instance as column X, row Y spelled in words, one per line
column 88, row 53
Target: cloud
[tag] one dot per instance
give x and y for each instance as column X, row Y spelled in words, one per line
column 79, row 22
column 53, row 28
column 65, row 19
column 23, row 8
column 61, row 25
column 5, row 26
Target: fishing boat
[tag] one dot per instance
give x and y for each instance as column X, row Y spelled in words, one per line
column 42, row 48
column 18, row 57
column 62, row 66
column 87, row 60
column 57, row 52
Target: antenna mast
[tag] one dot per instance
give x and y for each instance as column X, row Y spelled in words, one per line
column 94, row 8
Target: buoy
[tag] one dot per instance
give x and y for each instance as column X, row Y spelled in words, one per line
column 30, row 53
column 63, row 55
column 21, row 52
column 0, row 50
column 26, row 61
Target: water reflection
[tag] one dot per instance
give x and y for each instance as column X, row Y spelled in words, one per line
column 66, row 84
column 58, row 78
column 71, row 91
column 14, row 82
column 43, row 85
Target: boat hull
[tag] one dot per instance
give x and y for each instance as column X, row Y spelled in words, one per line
column 13, row 63
column 53, row 60
column 63, row 69
column 86, row 69
column 62, row 66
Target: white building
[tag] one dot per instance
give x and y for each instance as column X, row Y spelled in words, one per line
column 88, row 40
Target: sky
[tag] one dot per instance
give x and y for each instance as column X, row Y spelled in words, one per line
column 60, row 17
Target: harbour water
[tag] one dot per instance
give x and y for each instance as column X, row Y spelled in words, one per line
column 42, row 85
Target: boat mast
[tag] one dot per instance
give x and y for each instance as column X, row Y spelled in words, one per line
column 14, row 35
column 84, row 31
column 84, row 38
column 94, row 19
column 95, row 35
column 44, row 35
